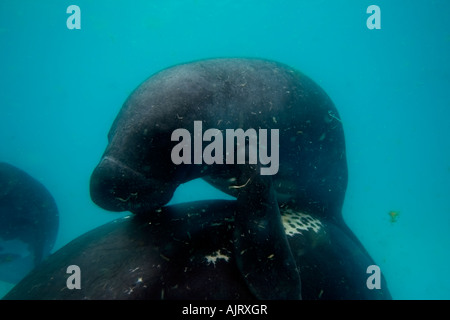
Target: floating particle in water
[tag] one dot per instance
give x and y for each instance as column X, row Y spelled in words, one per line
column 394, row 215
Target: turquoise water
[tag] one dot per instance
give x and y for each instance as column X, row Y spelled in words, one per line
column 61, row 89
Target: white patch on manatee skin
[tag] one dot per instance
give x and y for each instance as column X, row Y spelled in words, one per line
column 212, row 258
column 295, row 222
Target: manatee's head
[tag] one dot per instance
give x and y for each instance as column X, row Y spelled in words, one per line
column 116, row 186
column 136, row 172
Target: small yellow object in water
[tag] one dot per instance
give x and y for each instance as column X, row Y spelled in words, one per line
column 394, row 216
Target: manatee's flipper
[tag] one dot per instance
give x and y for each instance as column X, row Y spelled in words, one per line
column 262, row 250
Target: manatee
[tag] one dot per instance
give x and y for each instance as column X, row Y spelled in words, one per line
column 29, row 221
column 138, row 172
column 185, row 251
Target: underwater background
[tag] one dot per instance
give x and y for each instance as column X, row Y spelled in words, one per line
column 61, row 89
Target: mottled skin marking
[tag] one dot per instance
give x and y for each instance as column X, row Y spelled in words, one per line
column 217, row 256
column 296, row 222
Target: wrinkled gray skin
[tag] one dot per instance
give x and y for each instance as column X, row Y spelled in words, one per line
column 136, row 172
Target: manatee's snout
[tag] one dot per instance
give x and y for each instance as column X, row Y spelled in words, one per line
column 117, row 187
